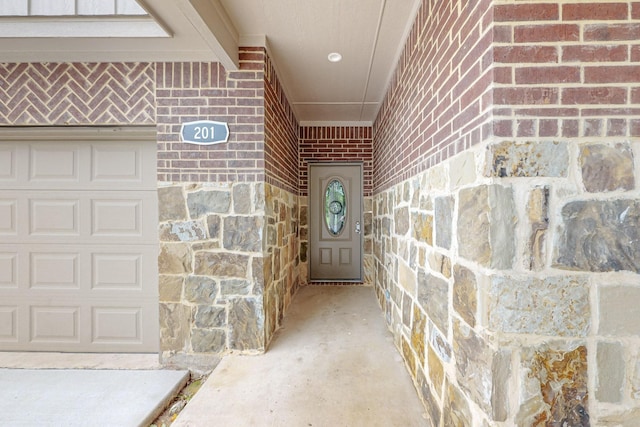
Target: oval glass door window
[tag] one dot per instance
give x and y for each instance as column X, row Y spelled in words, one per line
column 335, row 207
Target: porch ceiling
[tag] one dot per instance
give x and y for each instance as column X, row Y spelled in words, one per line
column 299, row 35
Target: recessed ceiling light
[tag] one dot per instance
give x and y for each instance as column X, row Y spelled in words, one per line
column 334, row 57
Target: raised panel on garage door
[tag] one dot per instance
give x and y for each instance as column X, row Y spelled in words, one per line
column 78, row 242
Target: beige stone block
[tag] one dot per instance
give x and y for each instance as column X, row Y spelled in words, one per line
column 170, row 288
column 538, row 216
column 554, row 306
column 465, row 294
column 436, row 369
column 175, row 320
column 456, row 408
column 619, row 311
column 418, row 334
column 462, row 170
column 174, row 258
column 407, row 278
column 422, row 228
column 437, row 177
column 221, row 264
column 171, row 204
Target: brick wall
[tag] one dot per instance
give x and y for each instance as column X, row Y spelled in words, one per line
column 339, row 144
column 506, row 244
column 438, row 98
column 206, row 91
column 281, row 135
column 566, row 70
column 61, row 94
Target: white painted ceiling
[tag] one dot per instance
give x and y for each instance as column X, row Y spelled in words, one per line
column 299, row 34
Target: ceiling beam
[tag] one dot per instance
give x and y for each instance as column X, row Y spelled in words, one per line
column 209, row 18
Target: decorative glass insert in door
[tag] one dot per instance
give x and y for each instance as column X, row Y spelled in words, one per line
column 335, row 207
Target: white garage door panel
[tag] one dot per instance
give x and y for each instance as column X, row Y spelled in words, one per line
column 77, row 165
column 78, row 217
column 78, row 325
column 128, row 270
column 78, row 241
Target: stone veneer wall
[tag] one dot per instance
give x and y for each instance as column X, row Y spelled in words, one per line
column 282, row 247
column 212, row 212
column 509, row 271
column 336, row 144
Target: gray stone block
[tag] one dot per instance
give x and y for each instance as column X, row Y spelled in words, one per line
column 486, row 225
column 433, row 297
column 242, row 198
column 208, row 340
column 611, row 372
column 241, row 233
column 607, row 168
column 444, row 221
column 246, row 322
column 599, row 235
column 211, row 316
column 200, row 290
column 401, row 221
column 207, row 201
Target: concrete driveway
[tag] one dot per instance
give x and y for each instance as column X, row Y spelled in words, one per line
column 54, row 389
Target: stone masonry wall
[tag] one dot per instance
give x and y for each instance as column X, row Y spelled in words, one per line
column 281, row 272
column 210, row 264
column 282, row 245
column 508, row 272
column 513, row 300
column 338, row 144
column 212, row 212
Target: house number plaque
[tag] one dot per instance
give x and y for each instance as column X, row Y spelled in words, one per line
column 204, row 132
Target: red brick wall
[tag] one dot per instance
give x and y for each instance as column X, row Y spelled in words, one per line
column 567, row 70
column 336, row 143
column 281, row 135
column 439, row 96
column 206, row 91
column 61, row 94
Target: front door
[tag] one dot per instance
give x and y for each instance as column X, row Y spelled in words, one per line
column 335, row 222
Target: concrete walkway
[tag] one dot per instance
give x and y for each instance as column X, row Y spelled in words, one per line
column 105, row 392
column 332, row 365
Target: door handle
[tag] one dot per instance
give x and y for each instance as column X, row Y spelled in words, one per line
column 358, row 227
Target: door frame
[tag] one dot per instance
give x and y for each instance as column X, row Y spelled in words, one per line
column 360, row 164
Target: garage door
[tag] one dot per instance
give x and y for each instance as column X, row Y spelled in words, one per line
column 78, row 240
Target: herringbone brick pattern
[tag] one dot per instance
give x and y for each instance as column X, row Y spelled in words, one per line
column 77, row 93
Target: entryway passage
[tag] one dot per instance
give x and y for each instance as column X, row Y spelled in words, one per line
column 332, row 364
